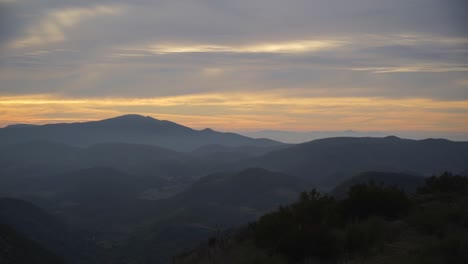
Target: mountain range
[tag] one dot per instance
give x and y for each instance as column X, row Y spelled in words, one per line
column 294, row 137
column 127, row 129
column 142, row 189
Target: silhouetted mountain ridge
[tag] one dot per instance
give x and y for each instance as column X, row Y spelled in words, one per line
column 128, row 129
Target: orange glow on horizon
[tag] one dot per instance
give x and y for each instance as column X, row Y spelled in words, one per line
column 248, row 111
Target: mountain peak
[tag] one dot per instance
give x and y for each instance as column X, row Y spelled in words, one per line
column 131, row 128
column 207, row 130
column 392, row 137
column 131, row 117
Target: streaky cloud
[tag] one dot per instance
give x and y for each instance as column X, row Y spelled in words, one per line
column 416, row 68
column 53, row 25
column 298, row 46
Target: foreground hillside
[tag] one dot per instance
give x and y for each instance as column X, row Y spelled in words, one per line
column 374, row 224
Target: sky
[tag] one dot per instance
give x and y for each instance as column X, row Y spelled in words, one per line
column 295, row 65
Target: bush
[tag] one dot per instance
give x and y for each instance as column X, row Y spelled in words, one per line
column 436, row 218
column 301, row 230
column 453, row 249
column 446, row 183
column 367, row 237
column 365, row 200
column 269, row 260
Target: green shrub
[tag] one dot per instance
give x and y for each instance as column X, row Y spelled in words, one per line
column 301, row 230
column 452, row 248
column 273, row 259
column 365, row 200
column 446, row 183
column 367, row 237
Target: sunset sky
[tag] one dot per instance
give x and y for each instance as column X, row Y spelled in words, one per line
column 297, row 65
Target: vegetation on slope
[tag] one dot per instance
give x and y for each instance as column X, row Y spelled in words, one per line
column 374, row 224
column 408, row 182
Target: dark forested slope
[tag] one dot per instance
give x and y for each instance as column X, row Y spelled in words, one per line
column 373, row 224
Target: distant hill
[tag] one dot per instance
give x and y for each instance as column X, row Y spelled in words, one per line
column 405, row 181
column 254, row 187
column 128, row 129
column 213, row 203
column 326, row 162
column 301, row 137
column 35, row 166
column 217, row 153
column 94, row 198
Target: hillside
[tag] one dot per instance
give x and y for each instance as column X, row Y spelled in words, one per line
column 374, row 224
column 94, row 199
column 23, row 219
column 213, row 203
column 323, row 163
column 326, row 162
column 39, row 167
column 134, row 129
column 218, row 153
column 405, row 181
column 17, row 249
column 250, row 186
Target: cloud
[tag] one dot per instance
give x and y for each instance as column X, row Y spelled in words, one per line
column 53, row 26
column 9, row 24
column 416, row 68
column 462, row 82
column 301, row 46
column 412, row 39
column 398, row 50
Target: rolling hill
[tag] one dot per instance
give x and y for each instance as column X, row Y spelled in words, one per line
column 327, row 162
column 213, row 203
column 36, row 166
